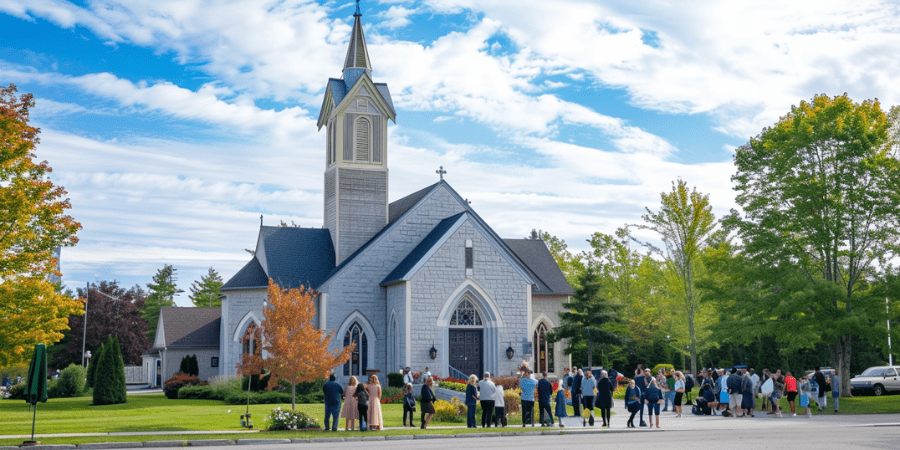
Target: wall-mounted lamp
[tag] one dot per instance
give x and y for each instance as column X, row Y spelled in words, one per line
column 510, row 352
column 433, row 352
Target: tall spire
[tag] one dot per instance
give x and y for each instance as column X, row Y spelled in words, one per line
column 357, row 53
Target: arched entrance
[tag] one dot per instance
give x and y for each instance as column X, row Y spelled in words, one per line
column 466, row 337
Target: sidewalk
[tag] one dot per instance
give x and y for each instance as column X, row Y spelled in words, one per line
column 668, row 422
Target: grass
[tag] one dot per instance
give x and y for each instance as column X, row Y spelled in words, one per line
column 155, row 413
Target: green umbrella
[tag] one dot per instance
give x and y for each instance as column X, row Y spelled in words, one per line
column 36, row 388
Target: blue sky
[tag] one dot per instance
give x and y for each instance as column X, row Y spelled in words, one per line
column 173, row 124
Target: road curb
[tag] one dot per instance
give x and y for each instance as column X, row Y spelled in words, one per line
column 101, row 445
column 262, row 441
column 165, row 444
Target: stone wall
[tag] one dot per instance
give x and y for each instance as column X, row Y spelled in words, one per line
column 235, row 307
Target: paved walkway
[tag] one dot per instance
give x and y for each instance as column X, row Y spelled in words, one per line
column 668, row 422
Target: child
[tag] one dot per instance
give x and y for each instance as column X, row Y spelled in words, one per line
column 409, row 404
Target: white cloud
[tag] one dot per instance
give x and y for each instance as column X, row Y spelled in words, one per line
column 396, row 17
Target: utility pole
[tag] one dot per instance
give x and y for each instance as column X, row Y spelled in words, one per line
column 887, row 309
column 87, row 296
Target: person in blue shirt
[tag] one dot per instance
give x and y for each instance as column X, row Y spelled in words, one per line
column 652, row 396
column 527, row 384
column 471, row 400
column 561, row 404
column 588, row 386
column 333, row 392
column 545, row 391
column 632, row 401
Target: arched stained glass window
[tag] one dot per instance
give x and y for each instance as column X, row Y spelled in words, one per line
column 466, row 314
column 356, row 365
column 250, row 341
column 543, row 350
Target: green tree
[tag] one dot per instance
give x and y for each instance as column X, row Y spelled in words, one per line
column 205, row 291
column 820, row 191
column 109, row 378
column 162, row 293
column 92, row 366
column 33, row 224
column 590, row 319
column 685, row 224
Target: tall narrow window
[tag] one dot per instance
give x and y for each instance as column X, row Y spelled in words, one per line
column 470, row 258
column 356, row 365
column 332, row 149
column 543, row 350
column 249, row 341
column 362, row 140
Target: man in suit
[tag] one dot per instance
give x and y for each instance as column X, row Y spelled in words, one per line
column 333, row 394
column 545, row 391
column 576, row 390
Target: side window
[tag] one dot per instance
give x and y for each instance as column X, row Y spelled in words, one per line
column 890, row 373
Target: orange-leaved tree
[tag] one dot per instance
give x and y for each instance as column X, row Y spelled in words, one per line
column 297, row 350
column 33, row 222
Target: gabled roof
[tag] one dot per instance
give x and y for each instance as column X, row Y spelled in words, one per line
column 291, row 256
column 251, row 275
column 399, row 207
column 535, row 254
column 190, row 327
column 425, row 249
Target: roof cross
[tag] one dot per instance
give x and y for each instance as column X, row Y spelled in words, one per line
column 441, row 172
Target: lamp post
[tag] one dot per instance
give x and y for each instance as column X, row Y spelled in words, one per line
column 887, row 309
column 87, row 296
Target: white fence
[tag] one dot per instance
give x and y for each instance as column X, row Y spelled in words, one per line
column 135, row 375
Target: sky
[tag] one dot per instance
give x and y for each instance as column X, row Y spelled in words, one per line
column 174, row 124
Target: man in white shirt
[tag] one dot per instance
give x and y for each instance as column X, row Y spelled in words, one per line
column 427, row 374
column 407, row 376
column 487, row 391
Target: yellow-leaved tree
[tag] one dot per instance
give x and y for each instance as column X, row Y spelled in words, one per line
column 296, row 350
column 32, row 224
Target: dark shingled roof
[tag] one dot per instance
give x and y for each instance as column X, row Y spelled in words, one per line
column 398, row 207
column 251, row 275
column 422, row 249
column 294, row 256
column 191, row 327
column 535, row 254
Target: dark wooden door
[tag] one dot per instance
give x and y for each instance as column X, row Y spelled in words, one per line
column 466, row 350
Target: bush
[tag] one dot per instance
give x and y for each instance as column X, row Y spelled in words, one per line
column 179, row 380
column 17, row 391
column 262, row 398
column 512, row 402
column 391, row 395
column 14, row 371
column 92, row 366
column 452, row 385
column 395, row 380
column 507, row 382
column 447, row 411
column 71, row 383
column 109, row 378
column 668, row 367
column 282, row 419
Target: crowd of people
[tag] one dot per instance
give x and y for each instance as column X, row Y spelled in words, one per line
column 734, row 392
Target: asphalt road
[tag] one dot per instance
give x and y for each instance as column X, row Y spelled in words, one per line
column 822, row 432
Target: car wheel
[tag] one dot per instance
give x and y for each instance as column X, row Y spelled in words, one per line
column 878, row 389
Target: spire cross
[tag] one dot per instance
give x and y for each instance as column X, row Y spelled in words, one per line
column 357, row 13
column 441, row 172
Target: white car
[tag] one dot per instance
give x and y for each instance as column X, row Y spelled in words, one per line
column 877, row 380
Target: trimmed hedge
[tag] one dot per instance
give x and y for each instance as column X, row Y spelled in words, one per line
column 179, row 380
column 395, row 380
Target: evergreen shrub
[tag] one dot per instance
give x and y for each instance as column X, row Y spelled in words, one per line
column 71, row 383
column 109, row 378
column 395, row 380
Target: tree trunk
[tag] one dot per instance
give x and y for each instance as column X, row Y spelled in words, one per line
column 693, row 343
column 293, row 396
column 590, row 353
column 844, row 368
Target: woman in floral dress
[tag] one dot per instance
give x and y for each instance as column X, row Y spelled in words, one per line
column 374, row 389
column 349, row 412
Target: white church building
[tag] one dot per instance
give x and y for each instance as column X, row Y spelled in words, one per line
column 421, row 282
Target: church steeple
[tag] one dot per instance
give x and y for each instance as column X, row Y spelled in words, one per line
column 355, row 112
column 357, row 53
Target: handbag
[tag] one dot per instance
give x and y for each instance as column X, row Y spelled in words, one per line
column 804, row 400
column 723, row 397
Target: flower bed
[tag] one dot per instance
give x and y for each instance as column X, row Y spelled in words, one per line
column 453, row 385
column 282, row 419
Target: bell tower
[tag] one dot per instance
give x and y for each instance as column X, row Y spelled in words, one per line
column 355, row 112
